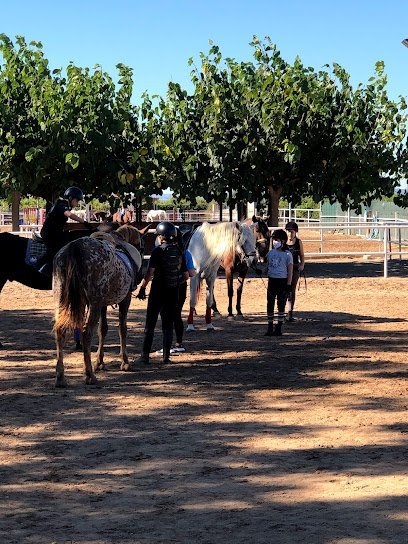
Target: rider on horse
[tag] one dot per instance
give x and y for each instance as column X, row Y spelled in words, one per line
column 52, row 231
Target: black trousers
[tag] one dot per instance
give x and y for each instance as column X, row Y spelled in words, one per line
column 276, row 291
column 161, row 301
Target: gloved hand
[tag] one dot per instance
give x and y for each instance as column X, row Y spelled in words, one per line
column 141, row 294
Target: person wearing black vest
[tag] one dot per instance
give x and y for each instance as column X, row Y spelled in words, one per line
column 166, row 267
column 52, row 231
column 295, row 246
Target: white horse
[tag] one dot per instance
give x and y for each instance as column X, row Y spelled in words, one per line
column 212, row 246
column 156, row 215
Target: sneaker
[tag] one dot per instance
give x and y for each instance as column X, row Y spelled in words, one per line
column 178, row 349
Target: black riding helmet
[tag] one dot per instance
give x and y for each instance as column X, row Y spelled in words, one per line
column 167, row 230
column 292, row 226
column 74, row 192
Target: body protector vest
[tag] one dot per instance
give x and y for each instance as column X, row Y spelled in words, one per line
column 295, row 250
column 167, row 275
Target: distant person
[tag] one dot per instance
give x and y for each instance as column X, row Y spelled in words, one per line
column 295, row 246
column 52, row 231
column 166, row 268
column 280, row 269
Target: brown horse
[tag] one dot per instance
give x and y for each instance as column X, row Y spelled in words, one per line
column 89, row 275
column 123, row 217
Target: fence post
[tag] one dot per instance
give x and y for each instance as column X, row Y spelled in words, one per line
column 321, row 238
column 385, row 252
column 399, row 243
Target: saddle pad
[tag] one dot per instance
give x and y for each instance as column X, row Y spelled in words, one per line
column 126, row 261
column 35, row 250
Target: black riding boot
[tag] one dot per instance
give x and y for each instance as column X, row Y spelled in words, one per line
column 278, row 330
column 269, row 332
column 167, row 340
column 147, row 346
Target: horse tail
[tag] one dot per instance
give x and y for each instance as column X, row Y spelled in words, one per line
column 72, row 296
column 195, row 290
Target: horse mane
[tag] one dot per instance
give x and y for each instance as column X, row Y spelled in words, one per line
column 210, row 243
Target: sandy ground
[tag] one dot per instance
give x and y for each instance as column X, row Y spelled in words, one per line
column 243, row 439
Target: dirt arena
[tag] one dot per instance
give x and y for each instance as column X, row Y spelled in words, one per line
column 244, row 439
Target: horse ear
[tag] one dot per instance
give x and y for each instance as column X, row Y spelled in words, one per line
column 144, row 229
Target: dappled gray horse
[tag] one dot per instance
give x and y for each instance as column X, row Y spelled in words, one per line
column 89, row 275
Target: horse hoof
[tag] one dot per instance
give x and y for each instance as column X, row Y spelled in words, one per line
column 210, row 328
column 127, row 367
column 100, row 367
column 190, row 328
column 230, row 316
column 91, row 380
column 60, row 383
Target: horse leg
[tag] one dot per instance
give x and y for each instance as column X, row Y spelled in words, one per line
column 102, row 332
column 243, row 270
column 194, row 284
column 92, row 319
column 214, row 306
column 229, row 276
column 60, row 376
column 209, row 301
column 123, row 312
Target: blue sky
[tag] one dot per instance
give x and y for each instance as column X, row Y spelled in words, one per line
column 156, row 38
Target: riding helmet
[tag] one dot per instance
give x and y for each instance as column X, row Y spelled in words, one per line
column 74, row 192
column 292, row 226
column 167, row 230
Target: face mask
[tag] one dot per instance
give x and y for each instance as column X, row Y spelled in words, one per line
column 277, row 244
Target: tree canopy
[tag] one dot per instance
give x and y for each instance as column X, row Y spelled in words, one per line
column 248, row 130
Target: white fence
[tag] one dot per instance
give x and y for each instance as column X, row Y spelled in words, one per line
column 386, row 240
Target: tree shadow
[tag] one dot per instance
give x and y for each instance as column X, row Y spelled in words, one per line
column 203, row 462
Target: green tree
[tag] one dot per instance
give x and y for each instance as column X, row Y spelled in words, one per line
column 319, row 137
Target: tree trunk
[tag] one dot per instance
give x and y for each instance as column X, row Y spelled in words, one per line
column 15, row 212
column 242, row 210
column 274, row 196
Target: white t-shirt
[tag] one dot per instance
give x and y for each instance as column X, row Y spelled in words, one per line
column 278, row 262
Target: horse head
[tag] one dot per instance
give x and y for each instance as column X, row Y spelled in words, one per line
column 262, row 238
column 246, row 244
